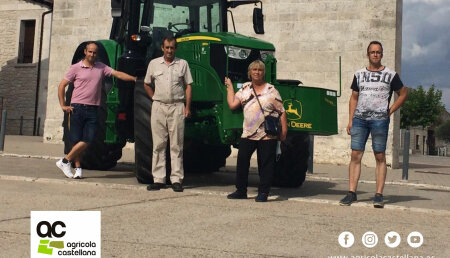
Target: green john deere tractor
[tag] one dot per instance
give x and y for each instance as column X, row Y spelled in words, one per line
column 201, row 29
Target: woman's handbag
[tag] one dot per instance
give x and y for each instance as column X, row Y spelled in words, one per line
column 272, row 124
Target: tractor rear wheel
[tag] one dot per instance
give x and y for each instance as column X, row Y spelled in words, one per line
column 143, row 143
column 290, row 168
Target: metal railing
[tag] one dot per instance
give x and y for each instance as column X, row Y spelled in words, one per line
column 22, row 120
column 2, row 124
column 1, row 110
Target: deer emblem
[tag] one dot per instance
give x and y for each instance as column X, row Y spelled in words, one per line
column 293, row 113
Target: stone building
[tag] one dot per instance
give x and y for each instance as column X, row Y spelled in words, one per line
column 442, row 147
column 418, row 140
column 309, row 37
column 25, row 38
column 73, row 23
column 424, row 141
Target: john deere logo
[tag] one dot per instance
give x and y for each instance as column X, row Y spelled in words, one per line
column 293, row 109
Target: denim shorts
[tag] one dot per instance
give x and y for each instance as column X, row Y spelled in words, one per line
column 360, row 132
column 83, row 123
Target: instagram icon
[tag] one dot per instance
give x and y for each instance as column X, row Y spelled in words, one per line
column 370, row 239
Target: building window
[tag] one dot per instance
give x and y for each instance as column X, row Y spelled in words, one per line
column 417, row 142
column 26, row 41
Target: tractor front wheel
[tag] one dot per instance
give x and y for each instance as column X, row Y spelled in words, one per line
column 290, row 168
column 199, row 157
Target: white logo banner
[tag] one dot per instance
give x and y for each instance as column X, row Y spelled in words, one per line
column 65, row 233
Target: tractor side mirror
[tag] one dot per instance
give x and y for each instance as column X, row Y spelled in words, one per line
column 116, row 8
column 258, row 21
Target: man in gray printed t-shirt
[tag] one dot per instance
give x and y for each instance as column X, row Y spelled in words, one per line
column 369, row 113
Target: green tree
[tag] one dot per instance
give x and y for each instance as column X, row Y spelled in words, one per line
column 443, row 131
column 422, row 108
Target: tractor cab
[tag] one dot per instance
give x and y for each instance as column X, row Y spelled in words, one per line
column 142, row 25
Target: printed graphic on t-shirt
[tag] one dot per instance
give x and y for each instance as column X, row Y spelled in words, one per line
column 270, row 99
column 375, row 90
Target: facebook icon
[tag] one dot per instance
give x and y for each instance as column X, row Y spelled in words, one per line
column 346, row 239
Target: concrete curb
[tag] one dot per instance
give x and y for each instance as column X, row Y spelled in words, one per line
column 401, row 183
column 215, row 193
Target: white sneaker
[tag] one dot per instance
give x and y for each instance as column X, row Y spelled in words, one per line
column 65, row 168
column 78, row 173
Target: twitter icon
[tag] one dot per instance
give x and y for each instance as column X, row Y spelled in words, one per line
column 392, row 239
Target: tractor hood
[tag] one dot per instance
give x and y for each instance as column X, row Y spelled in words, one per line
column 227, row 38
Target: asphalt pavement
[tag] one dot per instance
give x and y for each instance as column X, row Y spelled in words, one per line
column 428, row 185
column 299, row 222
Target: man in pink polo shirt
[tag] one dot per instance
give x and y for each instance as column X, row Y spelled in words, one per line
column 86, row 76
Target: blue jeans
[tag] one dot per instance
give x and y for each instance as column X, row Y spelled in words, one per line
column 83, row 123
column 360, row 132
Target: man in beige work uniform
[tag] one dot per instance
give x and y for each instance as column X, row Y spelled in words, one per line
column 170, row 77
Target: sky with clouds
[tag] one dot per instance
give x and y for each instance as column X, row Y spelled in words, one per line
column 426, row 45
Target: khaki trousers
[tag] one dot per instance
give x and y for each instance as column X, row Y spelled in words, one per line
column 167, row 121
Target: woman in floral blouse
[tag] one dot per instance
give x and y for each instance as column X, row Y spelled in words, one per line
column 254, row 137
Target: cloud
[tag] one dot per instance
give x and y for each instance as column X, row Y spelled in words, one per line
column 426, row 29
column 425, row 45
column 418, row 51
column 425, row 49
column 440, row 16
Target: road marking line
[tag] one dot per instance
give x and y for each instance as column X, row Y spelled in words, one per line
column 370, row 205
column 402, row 183
column 27, row 156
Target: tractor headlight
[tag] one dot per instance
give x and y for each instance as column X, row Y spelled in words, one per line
column 265, row 53
column 237, row 52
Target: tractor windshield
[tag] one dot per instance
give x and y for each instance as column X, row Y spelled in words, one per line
column 179, row 17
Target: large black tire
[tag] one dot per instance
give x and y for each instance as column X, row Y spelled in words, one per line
column 291, row 167
column 99, row 155
column 143, row 144
column 204, row 158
